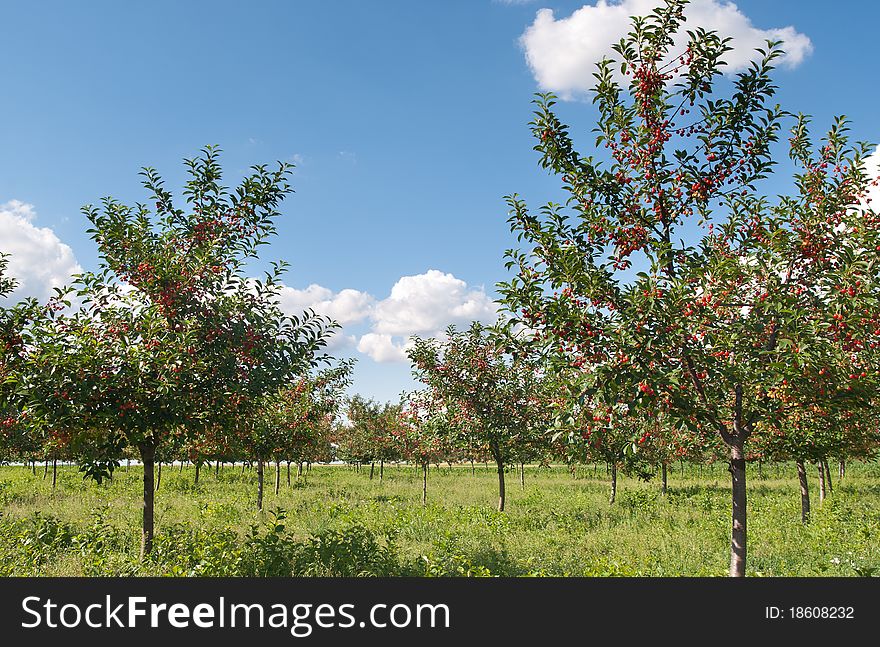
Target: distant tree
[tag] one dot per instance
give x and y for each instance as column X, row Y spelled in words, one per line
column 488, row 392
column 423, row 434
column 371, row 424
column 290, row 419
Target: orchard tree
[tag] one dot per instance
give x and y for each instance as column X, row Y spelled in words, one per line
column 361, row 445
column 313, row 406
column 666, row 279
column 591, row 431
column 423, row 434
column 17, row 437
column 371, row 424
column 10, row 352
column 665, row 441
column 170, row 335
column 488, row 391
column 290, row 419
column 811, row 432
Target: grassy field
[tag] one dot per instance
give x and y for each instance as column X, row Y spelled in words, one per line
column 336, row 521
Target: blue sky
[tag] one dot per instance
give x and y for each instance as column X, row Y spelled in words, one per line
column 407, row 122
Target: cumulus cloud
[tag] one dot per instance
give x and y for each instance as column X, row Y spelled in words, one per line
column 428, row 302
column 346, row 307
column 338, row 340
column 383, row 348
column 38, row 260
column 424, row 304
column 562, row 52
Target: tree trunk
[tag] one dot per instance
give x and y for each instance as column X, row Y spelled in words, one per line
column 45, row 469
column 613, row 483
column 277, row 477
column 158, row 475
column 288, row 473
column 372, row 469
column 664, row 478
column 54, row 472
column 841, row 468
column 216, row 469
column 805, row 492
column 522, row 476
column 821, row 482
column 127, row 464
column 260, row 485
column 148, row 457
column 738, row 510
column 500, row 465
column 34, row 467
column 180, row 471
column 381, row 469
column 198, row 469
column 827, row 475
column 299, row 470
column 424, row 484
column 473, row 469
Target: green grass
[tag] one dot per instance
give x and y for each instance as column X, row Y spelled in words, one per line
column 338, row 522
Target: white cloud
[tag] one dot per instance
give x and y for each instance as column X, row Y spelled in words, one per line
column 346, row 307
column 38, row 260
column 424, row 304
column 562, row 53
column 338, row 340
column 382, row 348
column 428, row 302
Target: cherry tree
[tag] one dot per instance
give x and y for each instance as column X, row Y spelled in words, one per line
column 372, row 424
column 170, row 335
column 290, row 419
column 666, row 278
column 18, row 438
column 488, row 391
column 423, row 435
